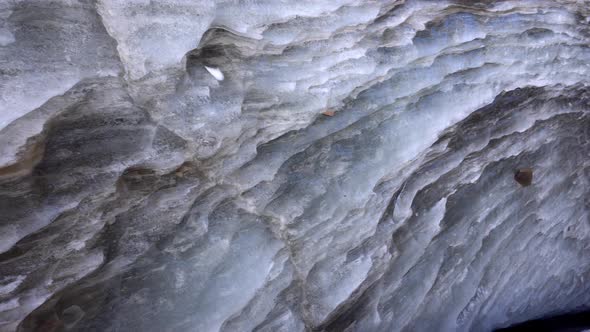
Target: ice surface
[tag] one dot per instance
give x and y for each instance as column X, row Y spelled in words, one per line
column 167, row 165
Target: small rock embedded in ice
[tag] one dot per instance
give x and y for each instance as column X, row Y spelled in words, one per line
column 329, row 113
column 215, row 72
column 524, row 176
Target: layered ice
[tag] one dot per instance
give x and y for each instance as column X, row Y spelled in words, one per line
column 175, row 165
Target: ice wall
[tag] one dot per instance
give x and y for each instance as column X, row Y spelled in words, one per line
column 168, row 165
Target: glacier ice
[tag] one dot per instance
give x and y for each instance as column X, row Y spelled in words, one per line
column 168, row 165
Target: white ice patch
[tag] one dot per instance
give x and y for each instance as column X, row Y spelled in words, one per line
column 9, row 235
column 6, row 288
column 6, row 37
column 215, row 72
column 8, row 305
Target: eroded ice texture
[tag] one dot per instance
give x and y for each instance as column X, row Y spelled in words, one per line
column 166, row 165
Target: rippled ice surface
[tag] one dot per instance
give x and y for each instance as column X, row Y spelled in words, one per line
column 166, row 165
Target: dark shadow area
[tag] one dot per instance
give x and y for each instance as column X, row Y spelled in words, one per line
column 565, row 323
